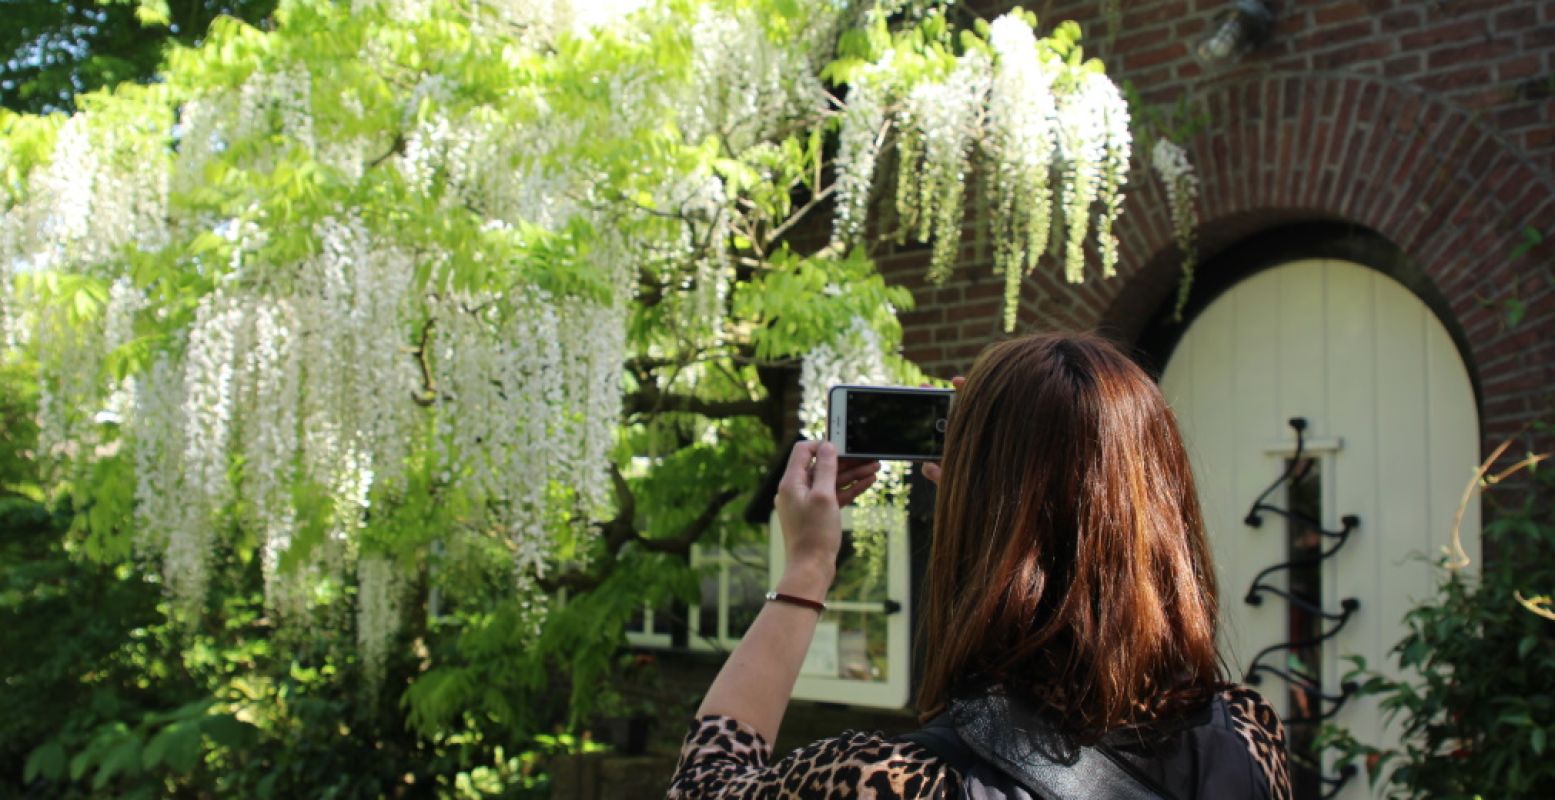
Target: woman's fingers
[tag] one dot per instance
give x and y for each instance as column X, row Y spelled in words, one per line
column 796, row 478
column 824, row 479
column 854, row 478
column 931, row 470
column 851, row 491
column 851, row 472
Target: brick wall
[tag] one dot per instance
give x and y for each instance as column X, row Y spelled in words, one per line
column 1429, row 123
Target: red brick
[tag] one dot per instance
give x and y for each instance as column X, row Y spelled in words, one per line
column 1162, row 12
column 925, row 315
column 1358, row 55
column 948, row 294
column 1448, row 80
column 1170, row 51
column 1191, row 28
column 1517, row 18
column 1520, row 67
column 1320, row 38
column 1539, row 38
column 1403, row 65
column 983, row 309
column 1506, row 383
column 913, row 337
column 1448, row 57
column 1439, row 34
column 925, row 355
column 1505, row 407
column 1399, row 20
column 1341, row 13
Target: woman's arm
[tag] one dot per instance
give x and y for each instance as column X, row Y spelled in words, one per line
column 756, row 681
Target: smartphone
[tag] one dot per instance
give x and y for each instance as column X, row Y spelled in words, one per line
column 894, row 423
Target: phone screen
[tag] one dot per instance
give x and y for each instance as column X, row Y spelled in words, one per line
column 903, row 424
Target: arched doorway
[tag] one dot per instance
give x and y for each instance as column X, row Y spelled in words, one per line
column 1333, row 547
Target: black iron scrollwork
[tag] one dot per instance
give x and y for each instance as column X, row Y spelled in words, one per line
column 1325, row 705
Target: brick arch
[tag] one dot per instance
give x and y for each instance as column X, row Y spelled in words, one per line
column 1431, row 178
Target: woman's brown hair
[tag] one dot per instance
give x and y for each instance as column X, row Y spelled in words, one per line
column 1069, row 564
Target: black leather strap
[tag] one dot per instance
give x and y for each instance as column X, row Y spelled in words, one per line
column 1019, row 745
column 939, row 737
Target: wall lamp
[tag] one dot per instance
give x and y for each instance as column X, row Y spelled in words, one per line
column 1238, row 30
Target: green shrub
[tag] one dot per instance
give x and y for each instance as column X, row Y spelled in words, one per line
column 1477, row 712
column 103, row 695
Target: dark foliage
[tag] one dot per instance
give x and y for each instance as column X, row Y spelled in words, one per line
column 56, row 49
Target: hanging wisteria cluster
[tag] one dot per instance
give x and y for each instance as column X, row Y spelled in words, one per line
column 1171, row 165
column 856, row 357
column 307, row 382
column 1030, row 123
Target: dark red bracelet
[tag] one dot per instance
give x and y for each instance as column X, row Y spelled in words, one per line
column 819, row 608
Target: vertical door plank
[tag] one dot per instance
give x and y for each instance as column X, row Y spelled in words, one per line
column 1303, row 331
column 1257, row 419
column 1403, row 522
column 1351, row 366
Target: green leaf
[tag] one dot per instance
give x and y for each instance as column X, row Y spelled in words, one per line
column 1536, row 741
column 227, row 731
column 1526, row 646
column 177, row 745
column 46, row 762
column 1519, row 718
column 1515, row 311
column 1531, row 239
column 153, row 12
column 124, row 758
column 156, row 749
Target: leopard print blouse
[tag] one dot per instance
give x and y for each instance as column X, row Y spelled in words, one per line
column 725, row 759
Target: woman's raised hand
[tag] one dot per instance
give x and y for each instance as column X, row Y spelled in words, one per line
column 931, row 469
column 809, row 505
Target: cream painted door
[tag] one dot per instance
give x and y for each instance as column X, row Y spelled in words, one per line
column 1391, row 438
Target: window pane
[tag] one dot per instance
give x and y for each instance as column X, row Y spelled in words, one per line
column 707, row 607
column 1305, row 663
column 861, row 645
column 747, row 566
column 861, row 571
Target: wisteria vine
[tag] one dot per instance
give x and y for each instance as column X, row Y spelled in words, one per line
column 358, row 304
column 1030, row 121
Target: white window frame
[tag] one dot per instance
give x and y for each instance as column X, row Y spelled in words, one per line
column 889, row 693
column 893, row 691
column 701, row 556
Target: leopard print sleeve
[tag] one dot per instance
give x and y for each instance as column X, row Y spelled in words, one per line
column 725, row 759
column 1261, row 730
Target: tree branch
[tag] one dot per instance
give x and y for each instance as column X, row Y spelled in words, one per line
column 799, row 214
column 620, row 531
column 681, row 545
column 395, row 149
column 648, row 399
column 428, row 393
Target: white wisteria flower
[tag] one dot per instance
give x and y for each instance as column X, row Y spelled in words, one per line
column 1171, row 165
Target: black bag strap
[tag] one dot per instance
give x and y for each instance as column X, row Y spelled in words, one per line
column 1002, row 743
column 939, row 737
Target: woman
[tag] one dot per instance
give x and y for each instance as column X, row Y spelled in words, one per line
column 1070, row 610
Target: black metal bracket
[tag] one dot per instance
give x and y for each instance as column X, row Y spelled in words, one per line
column 1334, row 784
column 1310, row 685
